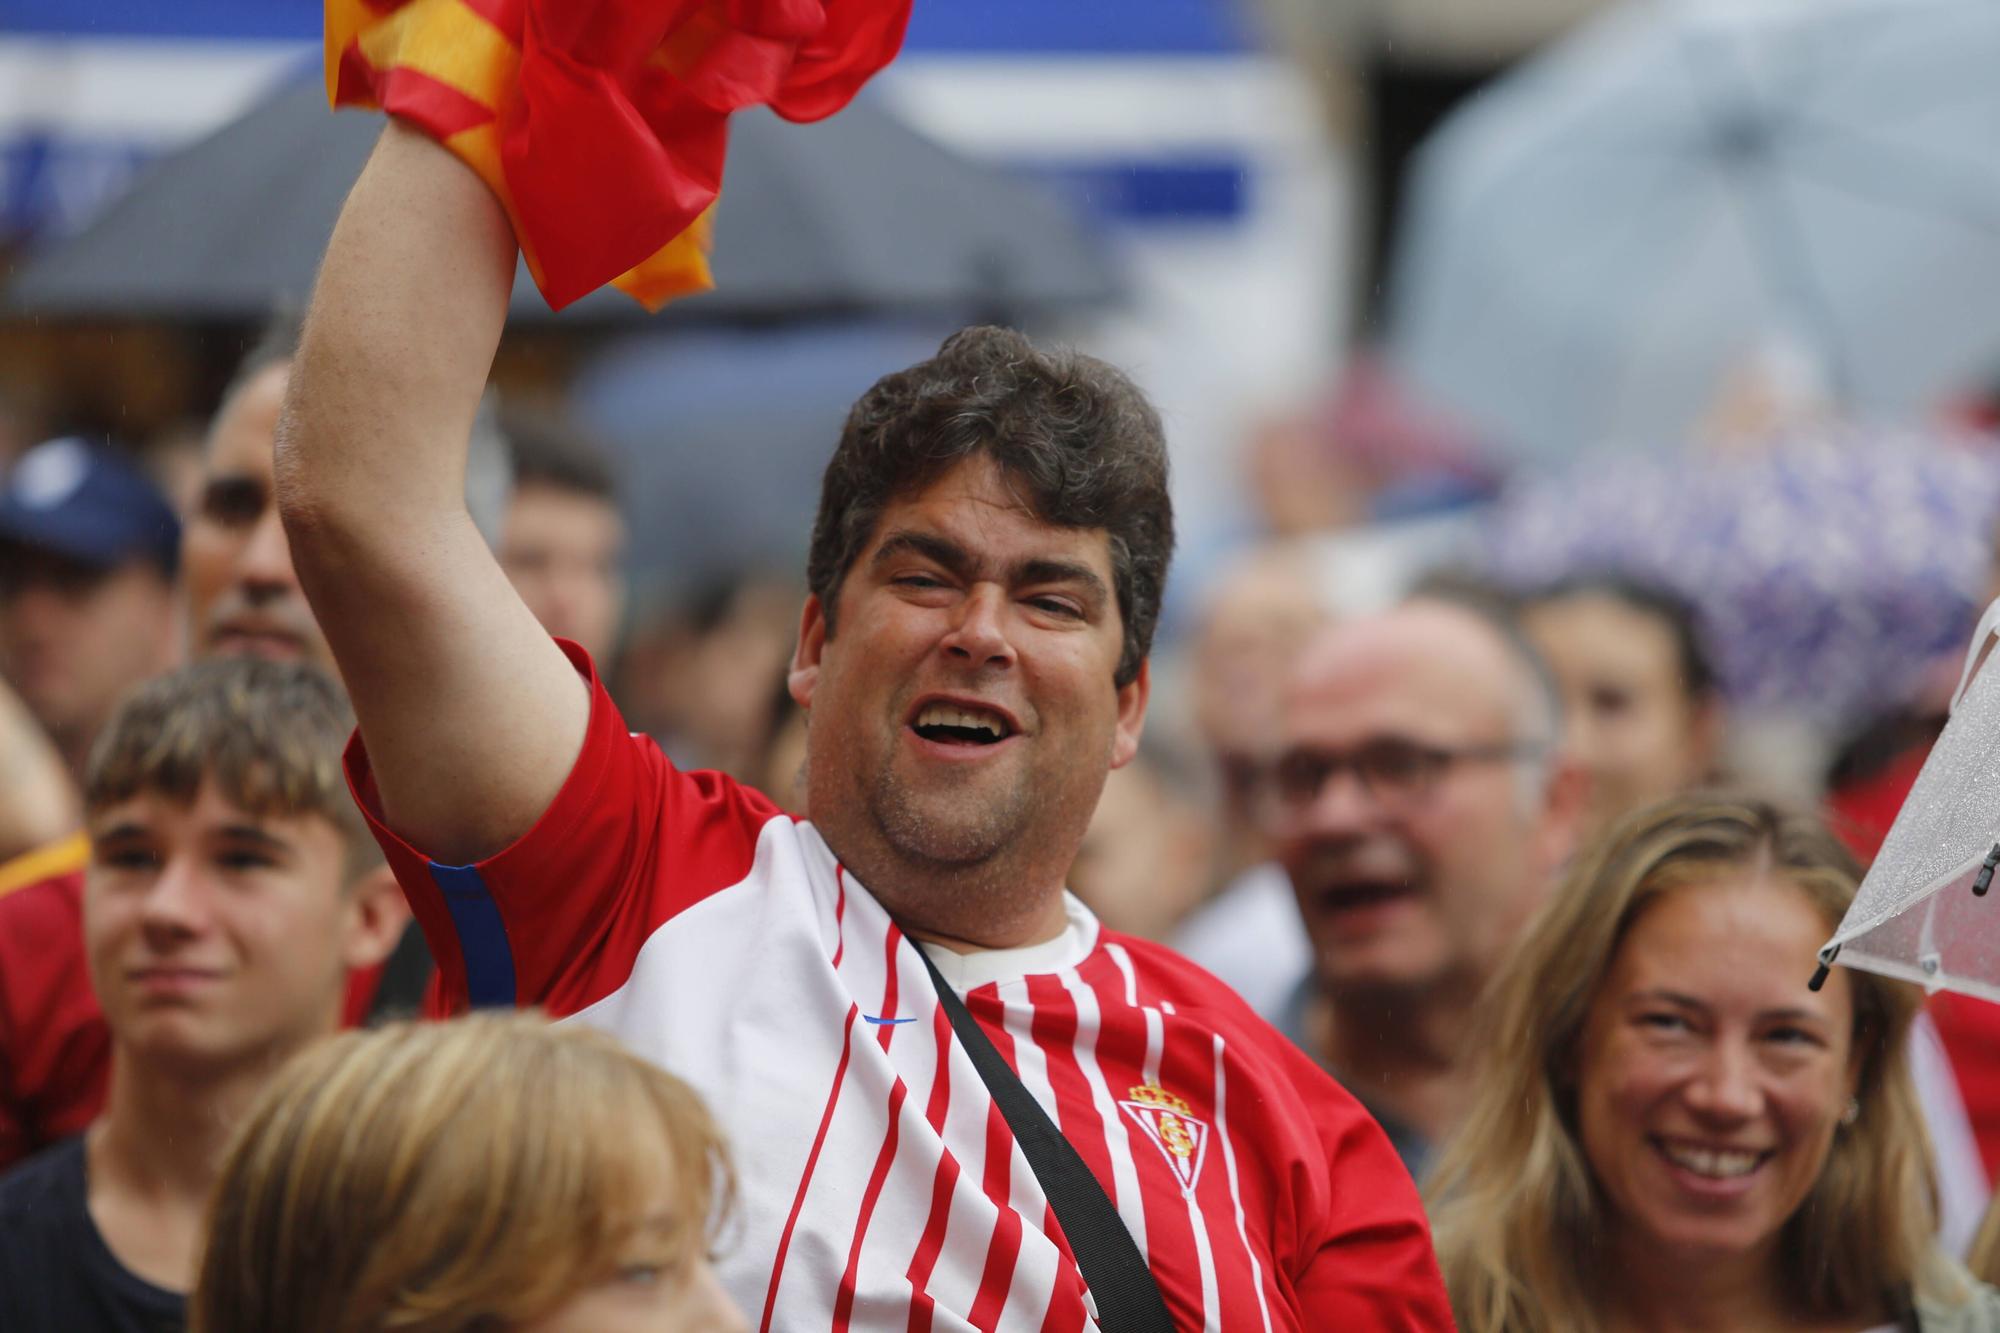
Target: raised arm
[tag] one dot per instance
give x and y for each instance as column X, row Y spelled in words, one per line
column 38, row 798
column 471, row 714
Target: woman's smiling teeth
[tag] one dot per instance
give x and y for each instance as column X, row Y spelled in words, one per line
column 950, row 722
column 1714, row 1163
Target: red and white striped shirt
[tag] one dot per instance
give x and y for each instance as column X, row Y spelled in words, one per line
column 880, row 1186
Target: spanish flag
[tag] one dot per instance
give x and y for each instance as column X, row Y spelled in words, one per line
column 602, row 124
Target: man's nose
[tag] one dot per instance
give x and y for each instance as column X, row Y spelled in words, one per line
column 266, row 559
column 174, row 904
column 979, row 634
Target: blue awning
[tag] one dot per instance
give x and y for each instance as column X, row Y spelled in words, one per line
column 99, row 88
column 990, row 26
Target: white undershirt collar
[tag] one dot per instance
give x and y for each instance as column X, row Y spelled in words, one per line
column 969, row 971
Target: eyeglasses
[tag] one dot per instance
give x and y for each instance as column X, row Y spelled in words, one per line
column 1392, row 770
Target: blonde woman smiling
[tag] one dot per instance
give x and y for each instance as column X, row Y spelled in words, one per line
column 1673, row 1131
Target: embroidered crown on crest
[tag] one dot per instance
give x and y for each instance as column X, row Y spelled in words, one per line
column 1151, row 1094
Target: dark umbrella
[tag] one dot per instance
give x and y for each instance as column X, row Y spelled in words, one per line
column 855, row 213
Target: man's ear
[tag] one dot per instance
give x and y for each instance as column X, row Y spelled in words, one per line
column 376, row 917
column 1565, row 806
column 1132, row 699
column 804, row 675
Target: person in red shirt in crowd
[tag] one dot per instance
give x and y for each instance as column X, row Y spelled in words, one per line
column 986, row 571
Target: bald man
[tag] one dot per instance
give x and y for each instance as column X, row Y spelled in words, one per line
column 1420, row 807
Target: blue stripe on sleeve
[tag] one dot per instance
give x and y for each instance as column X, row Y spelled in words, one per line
column 482, row 936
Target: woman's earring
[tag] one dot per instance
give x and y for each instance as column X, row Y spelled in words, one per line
column 1851, row 1112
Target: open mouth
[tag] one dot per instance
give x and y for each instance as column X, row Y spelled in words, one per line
column 1357, row 895
column 959, row 724
column 1712, row 1163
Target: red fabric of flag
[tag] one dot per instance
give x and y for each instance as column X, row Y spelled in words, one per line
column 603, row 124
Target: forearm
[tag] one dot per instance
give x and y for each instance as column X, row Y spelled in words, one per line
column 470, row 712
column 405, row 318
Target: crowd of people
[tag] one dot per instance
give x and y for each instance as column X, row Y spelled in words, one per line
column 862, row 995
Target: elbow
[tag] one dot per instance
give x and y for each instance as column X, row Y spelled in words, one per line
column 325, row 523
column 305, row 506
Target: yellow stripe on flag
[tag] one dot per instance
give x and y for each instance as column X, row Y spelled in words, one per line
column 446, row 41
column 676, row 269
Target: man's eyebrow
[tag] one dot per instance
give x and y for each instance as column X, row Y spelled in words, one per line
column 950, row 555
column 255, row 833
column 117, row 832
column 941, row 550
column 1063, row 571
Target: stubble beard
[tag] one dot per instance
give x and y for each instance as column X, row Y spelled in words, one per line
column 951, row 859
column 950, row 832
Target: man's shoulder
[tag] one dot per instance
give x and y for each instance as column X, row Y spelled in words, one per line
column 43, row 1189
column 60, row 860
column 1178, row 979
column 1195, row 994
column 56, row 1275
column 54, row 901
column 41, row 948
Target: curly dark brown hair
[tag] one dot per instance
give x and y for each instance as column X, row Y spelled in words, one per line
column 1075, row 433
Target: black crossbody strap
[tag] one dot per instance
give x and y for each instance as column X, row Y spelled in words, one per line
column 1128, row 1299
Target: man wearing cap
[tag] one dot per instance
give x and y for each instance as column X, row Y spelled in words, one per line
column 88, row 550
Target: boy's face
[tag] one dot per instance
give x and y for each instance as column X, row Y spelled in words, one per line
column 216, row 936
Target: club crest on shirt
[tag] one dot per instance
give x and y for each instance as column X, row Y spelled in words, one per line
column 1171, row 1124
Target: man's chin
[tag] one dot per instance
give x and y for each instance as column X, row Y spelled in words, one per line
column 1382, row 966
column 948, row 830
column 945, row 846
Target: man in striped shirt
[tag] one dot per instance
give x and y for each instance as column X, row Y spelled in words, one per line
column 985, row 573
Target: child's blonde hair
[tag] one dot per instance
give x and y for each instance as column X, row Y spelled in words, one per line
column 452, row 1176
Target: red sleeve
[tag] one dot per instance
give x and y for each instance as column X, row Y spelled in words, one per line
column 557, row 918
column 1374, row 1267
column 55, row 1054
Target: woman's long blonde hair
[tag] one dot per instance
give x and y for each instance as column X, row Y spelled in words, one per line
column 1516, row 1213
column 433, row 1178
column 1984, row 1257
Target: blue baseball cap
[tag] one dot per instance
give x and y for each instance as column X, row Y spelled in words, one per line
column 89, row 503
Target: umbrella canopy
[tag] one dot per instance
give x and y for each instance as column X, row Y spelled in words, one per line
column 1922, row 912
column 676, row 409
column 1830, row 571
column 1594, row 243
column 855, row 213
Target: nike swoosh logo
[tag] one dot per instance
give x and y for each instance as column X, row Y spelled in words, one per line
column 887, row 1022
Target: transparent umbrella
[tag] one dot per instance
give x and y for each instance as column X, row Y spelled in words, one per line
column 1597, row 242
column 1925, row 912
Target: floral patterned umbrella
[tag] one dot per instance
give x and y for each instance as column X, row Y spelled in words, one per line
column 1831, row 571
